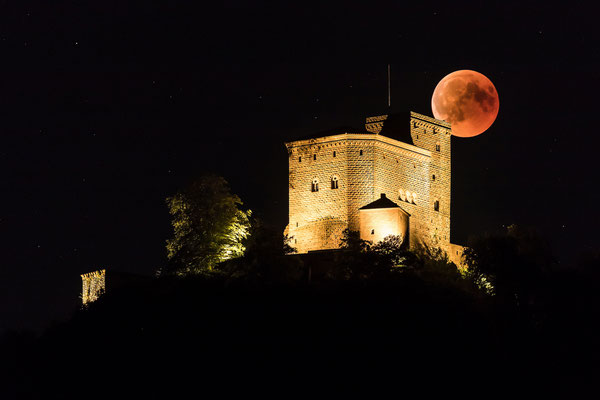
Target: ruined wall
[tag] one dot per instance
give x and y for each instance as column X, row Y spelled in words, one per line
column 455, row 253
column 93, row 285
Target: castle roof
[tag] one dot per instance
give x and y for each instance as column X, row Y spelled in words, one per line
column 382, row 202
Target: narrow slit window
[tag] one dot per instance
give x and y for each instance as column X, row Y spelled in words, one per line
column 437, row 146
column 433, row 177
column 361, row 152
column 372, row 231
column 436, row 205
column 314, row 156
column 299, row 159
column 334, row 153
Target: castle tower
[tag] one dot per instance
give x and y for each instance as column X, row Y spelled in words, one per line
column 405, row 158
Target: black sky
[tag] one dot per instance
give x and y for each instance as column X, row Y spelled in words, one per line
column 106, row 108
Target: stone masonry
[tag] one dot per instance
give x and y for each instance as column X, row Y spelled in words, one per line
column 332, row 177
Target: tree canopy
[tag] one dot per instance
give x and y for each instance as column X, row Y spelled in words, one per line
column 208, row 226
column 511, row 262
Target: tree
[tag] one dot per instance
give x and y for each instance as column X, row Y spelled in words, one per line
column 351, row 241
column 208, row 226
column 265, row 260
column 391, row 252
column 511, row 263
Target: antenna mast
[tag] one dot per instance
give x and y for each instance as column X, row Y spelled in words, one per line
column 389, row 90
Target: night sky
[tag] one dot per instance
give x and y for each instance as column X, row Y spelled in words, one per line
column 108, row 107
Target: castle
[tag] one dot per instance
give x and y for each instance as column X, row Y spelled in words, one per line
column 392, row 178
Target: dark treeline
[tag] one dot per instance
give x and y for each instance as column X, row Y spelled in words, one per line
column 364, row 325
column 234, row 312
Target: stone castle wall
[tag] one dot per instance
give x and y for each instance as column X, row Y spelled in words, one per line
column 435, row 136
column 318, row 218
column 366, row 165
column 376, row 224
column 93, row 286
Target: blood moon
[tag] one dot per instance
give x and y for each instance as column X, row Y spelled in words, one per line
column 468, row 100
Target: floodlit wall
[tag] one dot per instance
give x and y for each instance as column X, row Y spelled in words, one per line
column 94, row 285
column 377, row 223
column 365, row 165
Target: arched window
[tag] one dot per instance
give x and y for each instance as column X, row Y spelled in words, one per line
column 334, row 182
column 433, row 177
column 401, row 195
column 408, row 196
column 436, row 205
column 414, row 198
column 315, row 185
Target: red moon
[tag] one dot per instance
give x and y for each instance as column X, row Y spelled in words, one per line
column 468, row 100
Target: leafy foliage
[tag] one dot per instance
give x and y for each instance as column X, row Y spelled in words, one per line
column 208, row 226
column 351, row 241
column 264, row 261
column 391, row 252
column 510, row 263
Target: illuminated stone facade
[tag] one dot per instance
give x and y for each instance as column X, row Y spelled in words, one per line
column 382, row 218
column 94, row 285
column 333, row 176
